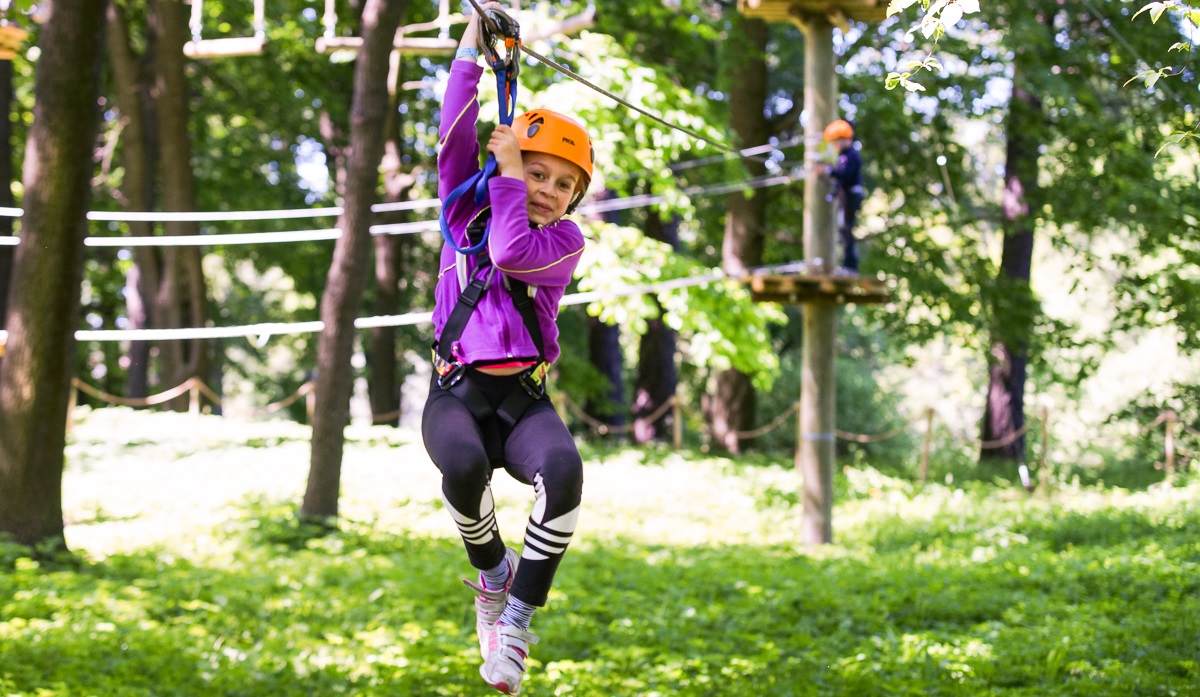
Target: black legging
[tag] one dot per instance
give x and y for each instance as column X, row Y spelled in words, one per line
column 850, row 205
column 538, row 450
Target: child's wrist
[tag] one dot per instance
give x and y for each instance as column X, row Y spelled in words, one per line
column 467, row 53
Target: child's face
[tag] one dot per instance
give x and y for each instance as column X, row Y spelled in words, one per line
column 551, row 183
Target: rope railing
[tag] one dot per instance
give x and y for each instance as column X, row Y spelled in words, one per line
column 266, row 330
column 1169, row 418
column 193, row 386
column 197, row 388
column 605, row 429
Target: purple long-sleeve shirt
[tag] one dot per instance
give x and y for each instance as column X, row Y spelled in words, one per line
column 542, row 256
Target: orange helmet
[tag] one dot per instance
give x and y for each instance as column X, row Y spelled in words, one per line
column 839, row 129
column 542, row 130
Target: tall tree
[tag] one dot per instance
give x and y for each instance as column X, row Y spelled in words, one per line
column 182, row 296
column 604, row 353
column 390, row 256
column 35, row 375
column 136, row 191
column 657, row 377
column 6, row 178
column 733, row 404
column 1012, row 297
column 348, row 272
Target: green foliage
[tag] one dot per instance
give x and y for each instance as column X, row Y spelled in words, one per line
column 864, row 408
column 939, row 16
column 721, row 327
column 940, row 590
column 1180, row 404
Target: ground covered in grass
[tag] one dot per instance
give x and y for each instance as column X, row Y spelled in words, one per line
column 193, row 577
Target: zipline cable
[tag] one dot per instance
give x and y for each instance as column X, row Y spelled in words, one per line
column 584, row 81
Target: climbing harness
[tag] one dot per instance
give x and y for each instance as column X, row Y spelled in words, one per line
column 500, row 38
column 451, row 371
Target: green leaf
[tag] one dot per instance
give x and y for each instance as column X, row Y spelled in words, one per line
column 952, row 14
column 1173, row 139
column 897, row 6
column 1152, row 8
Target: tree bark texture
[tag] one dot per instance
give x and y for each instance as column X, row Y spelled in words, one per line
column 657, row 377
column 1013, row 304
column 383, row 382
column 183, row 296
column 733, row 404
column 35, row 374
column 6, row 178
column 137, row 190
column 604, row 352
column 348, row 271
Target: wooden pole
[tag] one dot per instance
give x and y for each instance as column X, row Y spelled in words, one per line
column 194, row 396
column 72, row 401
column 1169, row 446
column 1043, row 473
column 815, row 446
column 677, row 421
column 926, row 444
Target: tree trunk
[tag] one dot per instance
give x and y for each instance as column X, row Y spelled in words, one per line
column 384, row 360
column 35, row 375
column 1013, row 304
column 733, row 405
column 604, row 352
column 6, row 177
column 347, row 274
column 182, row 286
column 657, row 377
column 137, row 191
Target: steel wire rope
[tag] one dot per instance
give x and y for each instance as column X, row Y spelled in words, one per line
column 584, row 81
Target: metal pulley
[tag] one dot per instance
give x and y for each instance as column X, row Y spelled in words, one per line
column 498, row 28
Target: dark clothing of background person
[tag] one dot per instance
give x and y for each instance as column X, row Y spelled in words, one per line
column 847, row 176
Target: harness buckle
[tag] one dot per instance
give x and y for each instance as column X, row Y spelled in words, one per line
column 451, row 377
column 533, row 381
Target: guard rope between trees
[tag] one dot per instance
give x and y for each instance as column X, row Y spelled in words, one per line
column 197, row 388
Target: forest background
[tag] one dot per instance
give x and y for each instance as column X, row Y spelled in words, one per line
column 1032, row 207
column 1030, row 204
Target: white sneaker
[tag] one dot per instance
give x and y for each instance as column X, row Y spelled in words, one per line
column 505, row 665
column 489, row 604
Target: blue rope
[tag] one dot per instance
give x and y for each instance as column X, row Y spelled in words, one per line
column 506, row 88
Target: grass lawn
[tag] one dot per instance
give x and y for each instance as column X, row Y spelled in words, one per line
column 192, row 577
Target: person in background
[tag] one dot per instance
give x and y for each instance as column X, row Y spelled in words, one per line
column 847, row 176
column 494, row 318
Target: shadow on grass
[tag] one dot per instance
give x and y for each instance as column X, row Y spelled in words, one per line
column 359, row 611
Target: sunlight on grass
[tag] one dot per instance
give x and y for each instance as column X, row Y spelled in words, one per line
column 194, row 577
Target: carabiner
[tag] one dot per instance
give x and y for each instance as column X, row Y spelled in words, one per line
column 497, row 25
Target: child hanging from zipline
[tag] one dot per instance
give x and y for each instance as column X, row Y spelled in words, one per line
column 847, row 176
column 506, row 263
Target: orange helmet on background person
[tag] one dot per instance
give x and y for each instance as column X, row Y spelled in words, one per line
column 550, row 132
column 839, row 129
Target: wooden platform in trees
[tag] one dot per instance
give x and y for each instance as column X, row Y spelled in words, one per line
column 838, row 11
column 799, row 289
